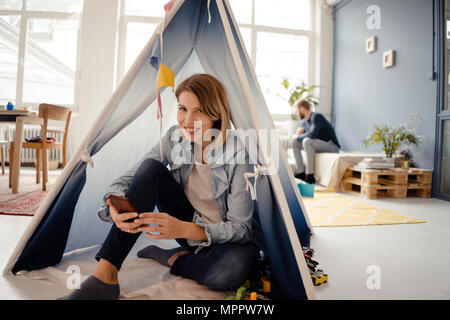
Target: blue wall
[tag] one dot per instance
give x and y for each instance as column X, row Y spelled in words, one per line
column 364, row 93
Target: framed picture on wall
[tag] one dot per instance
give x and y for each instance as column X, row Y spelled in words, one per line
column 388, row 59
column 371, row 44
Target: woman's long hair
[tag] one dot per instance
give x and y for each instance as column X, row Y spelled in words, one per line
column 213, row 99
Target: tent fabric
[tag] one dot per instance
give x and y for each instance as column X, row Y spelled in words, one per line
column 282, row 262
column 128, row 127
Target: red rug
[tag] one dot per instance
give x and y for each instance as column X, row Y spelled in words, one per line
column 24, row 204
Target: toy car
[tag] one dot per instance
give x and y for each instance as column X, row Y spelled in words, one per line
column 319, row 277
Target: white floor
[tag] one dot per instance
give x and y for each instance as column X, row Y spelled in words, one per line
column 411, row 261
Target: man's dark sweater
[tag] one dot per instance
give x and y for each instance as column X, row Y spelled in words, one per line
column 317, row 127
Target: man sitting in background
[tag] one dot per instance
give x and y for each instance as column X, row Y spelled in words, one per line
column 316, row 135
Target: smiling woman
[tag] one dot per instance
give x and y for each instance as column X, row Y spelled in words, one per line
column 202, row 99
column 192, row 118
column 203, row 204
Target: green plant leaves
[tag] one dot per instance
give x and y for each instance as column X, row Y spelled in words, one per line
column 285, row 84
column 301, row 91
column 391, row 138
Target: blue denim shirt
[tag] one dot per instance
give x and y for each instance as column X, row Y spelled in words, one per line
column 228, row 165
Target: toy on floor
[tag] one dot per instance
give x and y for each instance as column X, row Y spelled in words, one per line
column 241, row 294
column 306, row 189
column 317, row 275
column 259, row 290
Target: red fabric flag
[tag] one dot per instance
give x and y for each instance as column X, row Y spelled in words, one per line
column 159, row 110
column 169, row 5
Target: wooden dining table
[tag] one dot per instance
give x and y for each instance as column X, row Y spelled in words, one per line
column 19, row 117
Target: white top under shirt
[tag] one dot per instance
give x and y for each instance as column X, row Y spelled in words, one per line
column 198, row 191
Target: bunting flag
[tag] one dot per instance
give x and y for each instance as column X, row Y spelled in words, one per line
column 159, row 110
column 168, row 5
column 166, row 78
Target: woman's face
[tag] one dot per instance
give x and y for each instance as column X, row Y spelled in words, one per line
column 191, row 118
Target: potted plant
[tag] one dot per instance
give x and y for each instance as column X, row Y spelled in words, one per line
column 294, row 93
column 406, row 158
column 391, row 138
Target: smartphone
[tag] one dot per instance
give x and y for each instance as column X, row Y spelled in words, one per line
column 122, row 204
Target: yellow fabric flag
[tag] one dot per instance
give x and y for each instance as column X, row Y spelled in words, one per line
column 165, row 77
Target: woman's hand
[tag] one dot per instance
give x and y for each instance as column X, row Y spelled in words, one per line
column 119, row 219
column 167, row 226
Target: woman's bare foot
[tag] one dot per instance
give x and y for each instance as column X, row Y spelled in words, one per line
column 174, row 257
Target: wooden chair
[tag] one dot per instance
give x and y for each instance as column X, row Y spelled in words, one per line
column 47, row 112
column 3, row 145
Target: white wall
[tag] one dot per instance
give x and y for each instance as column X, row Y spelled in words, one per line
column 324, row 56
column 97, row 65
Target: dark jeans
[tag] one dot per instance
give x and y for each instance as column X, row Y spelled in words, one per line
column 223, row 266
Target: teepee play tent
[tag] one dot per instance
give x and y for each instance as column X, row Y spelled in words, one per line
column 195, row 36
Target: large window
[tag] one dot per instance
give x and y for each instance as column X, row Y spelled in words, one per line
column 39, row 51
column 443, row 117
column 139, row 20
column 445, row 171
column 277, row 35
column 447, row 50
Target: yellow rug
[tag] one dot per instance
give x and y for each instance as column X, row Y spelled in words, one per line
column 330, row 209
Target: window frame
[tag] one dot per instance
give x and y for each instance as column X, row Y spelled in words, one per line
column 124, row 20
column 254, row 30
column 442, row 114
column 25, row 16
column 446, row 105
